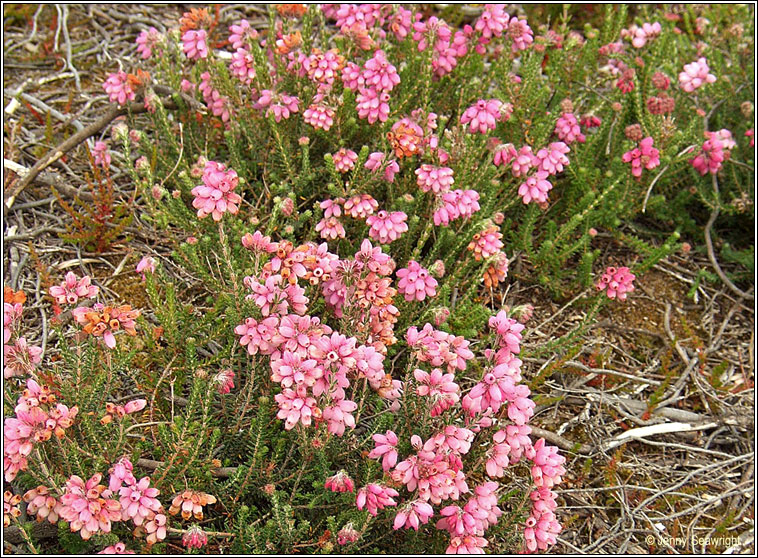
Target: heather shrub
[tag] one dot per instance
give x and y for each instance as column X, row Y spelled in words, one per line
column 327, row 365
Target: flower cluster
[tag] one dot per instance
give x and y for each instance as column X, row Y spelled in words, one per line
column 415, row 282
column 216, row 195
column 190, row 503
column 695, row 75
column 105, row 321
column 120, row 411
column 37, row 418
column 73, row 288
column 616, row 282
column 643, row 156
column 640, row 35
column 714, row 151
column 314, row 364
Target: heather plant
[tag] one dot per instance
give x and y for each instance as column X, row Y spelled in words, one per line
column 350, row 189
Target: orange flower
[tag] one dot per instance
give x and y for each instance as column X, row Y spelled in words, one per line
column 13, row 297
column 291, row 10
column 194, row 19
column 288, row 43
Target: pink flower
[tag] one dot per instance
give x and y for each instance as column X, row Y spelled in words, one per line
column 339, row 415
column 101, row 155
column 493, row 21
column 567, row 129
column 548, row 467
column 456, row 204
column 280, row 105
column 156, row 528
column 347, row 534
column 643, row 156
column 195, row 537
column 542, row 527
column 385, row 448
column 504, row 154
column 373, row 105
column 415, row 282
column 715, row 150
column 340, row 482
column 147, row 263
column 535, row 188
column 360, row 206
column 486, row 243
column 118, row 88
column 323, row 67
column 520, row 33
column 241, row 34
column 590, row 121
column 523, row 161
column 639, row 36
column 695, row 75
column 375, row 162
column 72, row 289
column 412, row 514
column 224, row 381
column 275, row 297
column 508, row 332
column 118, row 548
column 295, row 406
column 435, row 179
column 89, row 508
column 616, row 282
column 352, row 76
column 379, row 74
column 553, row 158
column 750, row 134
column 135, row 406
column 375, row 497
column 20, row 359
column 243, row 66
column 194, row 44
column 319, row 116
column 439, row 348
column 468, row 544
column 258, row 336
column 120, row 474
column 258, row 243
column 43, row 504
column 344, row 159
column 330, row 228
column 482, row 116
column 147, row 41
column 386, row 227
column 216, row 195
column 440, row 388
column 139, row 501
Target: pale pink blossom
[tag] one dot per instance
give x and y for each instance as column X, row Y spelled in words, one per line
column 242, row 34
column 89, row 507
column 216, row 195
column 360, row 206
column 194, row 44
column 440, row 388
column 412, row 514
column 387, row 226
column 118, row 88
column 72, row 289
column 567, row 129
column 344, row 159
column 616, row 282
column 147, row 263
column 695, row 75
column 415, row 282
column 482, row 116
column 385, row 447
column 147, row 41
column 434, row 179
column 224, row 381
column 535, row 188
